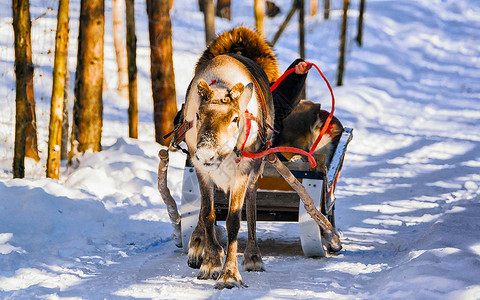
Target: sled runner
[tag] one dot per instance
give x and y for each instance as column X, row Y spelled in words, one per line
column 277, row 200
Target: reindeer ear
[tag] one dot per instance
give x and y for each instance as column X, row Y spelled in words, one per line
column 246, row 96
column 237, row 91
column 204, row 90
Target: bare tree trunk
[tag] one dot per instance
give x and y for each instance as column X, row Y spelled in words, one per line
column 21, row 13
column 88, row 105
column 31, row 143
column 119, row 45
column 360, row 23
column 162, row 73
column 56, row 108
column 343, row 37
column 21, row 27
column 132, row 69
column 224, row 9
column 313, row 7
column 259, row 10
column 326, row 9
column 66, row 108
column 209, row 17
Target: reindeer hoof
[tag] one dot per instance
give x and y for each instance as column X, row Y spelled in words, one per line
column 195, row 250
column 333, row 241
column 253, row 263
column 205, row 274
column 230, row 284
column 335, row 245
column 334, row 249
column 195, row 262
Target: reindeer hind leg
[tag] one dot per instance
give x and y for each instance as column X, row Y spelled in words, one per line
column 252, row 258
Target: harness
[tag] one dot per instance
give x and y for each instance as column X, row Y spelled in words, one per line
column 183, row 126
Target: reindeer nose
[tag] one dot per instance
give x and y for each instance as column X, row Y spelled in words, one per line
column 205, row 155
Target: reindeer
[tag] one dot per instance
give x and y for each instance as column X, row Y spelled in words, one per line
column 225, row 92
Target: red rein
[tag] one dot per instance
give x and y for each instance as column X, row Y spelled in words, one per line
column 311, row 160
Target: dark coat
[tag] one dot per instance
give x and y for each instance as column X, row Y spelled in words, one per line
column 287, row 95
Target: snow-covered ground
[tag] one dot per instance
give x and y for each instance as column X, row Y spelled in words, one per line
column 408, row 198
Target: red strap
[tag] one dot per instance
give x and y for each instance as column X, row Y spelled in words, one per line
column 311, row 160
column 329, row 118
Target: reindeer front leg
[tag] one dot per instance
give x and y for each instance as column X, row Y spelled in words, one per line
column 230, row 276
column 204, row 250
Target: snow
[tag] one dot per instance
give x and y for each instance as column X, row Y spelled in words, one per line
column 408, row 198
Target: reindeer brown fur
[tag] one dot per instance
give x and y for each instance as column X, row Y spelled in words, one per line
column 246, row 42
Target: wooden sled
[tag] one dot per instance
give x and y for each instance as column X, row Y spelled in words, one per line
column 278, row 198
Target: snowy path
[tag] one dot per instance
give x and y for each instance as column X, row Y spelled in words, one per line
column 408, row 198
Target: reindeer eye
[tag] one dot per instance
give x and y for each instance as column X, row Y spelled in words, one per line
column 198, row 117
column 235, row 120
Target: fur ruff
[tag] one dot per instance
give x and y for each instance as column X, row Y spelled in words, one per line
column 246, row 42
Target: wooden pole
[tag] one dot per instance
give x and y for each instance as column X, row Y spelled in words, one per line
column 132, row 69
column 167, row 197
column 327, row 229
column 360, row 23
column 343, row 38
column 58, row 90
column 285, row 23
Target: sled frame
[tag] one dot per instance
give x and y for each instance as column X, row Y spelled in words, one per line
column 275, row 200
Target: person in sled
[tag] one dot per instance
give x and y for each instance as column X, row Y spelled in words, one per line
column 287, row 94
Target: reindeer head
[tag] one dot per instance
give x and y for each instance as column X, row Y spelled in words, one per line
column 220, row 122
